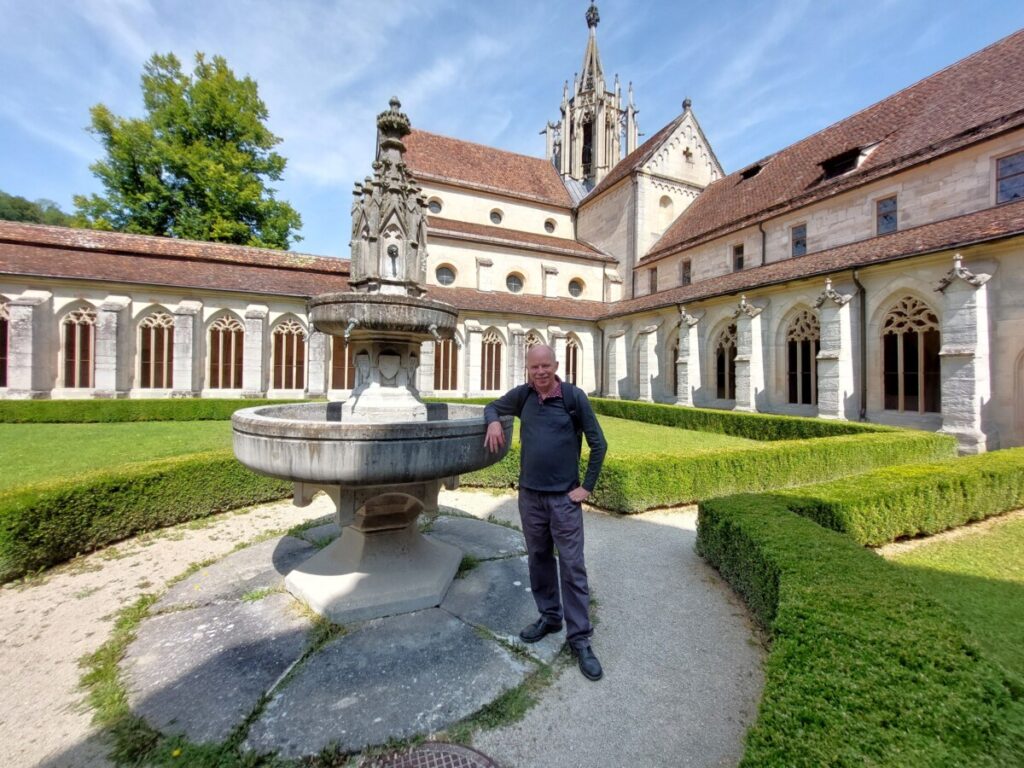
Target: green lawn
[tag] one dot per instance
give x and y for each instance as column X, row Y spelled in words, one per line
column 980, row 578
column 31, row 453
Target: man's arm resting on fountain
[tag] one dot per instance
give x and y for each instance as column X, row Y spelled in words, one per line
column 506, row 405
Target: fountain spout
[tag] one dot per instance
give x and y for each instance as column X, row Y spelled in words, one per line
column 350, row 327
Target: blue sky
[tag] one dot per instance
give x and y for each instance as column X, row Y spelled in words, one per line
column 761, row 75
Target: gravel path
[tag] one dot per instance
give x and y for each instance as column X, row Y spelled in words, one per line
column 682, row 662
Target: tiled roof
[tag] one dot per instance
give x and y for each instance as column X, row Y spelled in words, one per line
column 481, row 233
column 518, row 303
column 972, row 100
column 431, row 157
column 982, row 226
column 59, row 252
column 635, row 159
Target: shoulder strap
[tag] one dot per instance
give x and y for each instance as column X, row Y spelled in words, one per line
column 524, row 395
column 569, row 401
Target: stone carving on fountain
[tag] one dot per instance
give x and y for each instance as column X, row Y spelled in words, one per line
column 383, row 454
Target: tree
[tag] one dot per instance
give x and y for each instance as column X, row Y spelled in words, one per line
column 196, row 166
column 16, row 208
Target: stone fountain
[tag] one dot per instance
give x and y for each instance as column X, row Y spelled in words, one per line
column 383, row 454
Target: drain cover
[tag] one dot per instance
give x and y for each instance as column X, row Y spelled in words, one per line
column 438, row 755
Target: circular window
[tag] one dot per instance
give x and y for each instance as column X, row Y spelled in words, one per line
column 434, row 206
column 496, row 216
column 514, row 282
column 549, row 226
column 575, row 288
column 445, row 275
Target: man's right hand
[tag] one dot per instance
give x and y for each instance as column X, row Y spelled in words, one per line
column 494, row 440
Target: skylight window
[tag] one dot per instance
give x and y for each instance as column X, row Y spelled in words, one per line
column 841, row 163
column 751, row 172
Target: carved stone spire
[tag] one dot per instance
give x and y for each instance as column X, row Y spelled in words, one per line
column 389, row 218
column 593, row 17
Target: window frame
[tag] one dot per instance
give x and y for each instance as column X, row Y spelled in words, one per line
column 738, row 252
column 998, row 178
column 517, row 276
column 794, row 239
column 685, row 272
column 437, row 275
column 582, row 286
column 880, row 215
column 652, row 279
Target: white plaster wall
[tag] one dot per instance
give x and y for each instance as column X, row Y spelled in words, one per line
column 670, row 160
column 475, row 207
column 606, row 223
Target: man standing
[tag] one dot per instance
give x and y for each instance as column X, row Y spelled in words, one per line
column 552, row 414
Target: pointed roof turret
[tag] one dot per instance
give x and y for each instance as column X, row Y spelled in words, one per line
column 592, row 73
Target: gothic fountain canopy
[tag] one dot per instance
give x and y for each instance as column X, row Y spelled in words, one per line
column 382, row 454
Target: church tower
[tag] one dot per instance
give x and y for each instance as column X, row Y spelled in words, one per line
column 588, row 140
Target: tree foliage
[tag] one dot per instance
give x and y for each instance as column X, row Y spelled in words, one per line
column 16, row 208
column 197, row 166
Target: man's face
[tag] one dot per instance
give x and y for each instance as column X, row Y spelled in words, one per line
column 541, row 367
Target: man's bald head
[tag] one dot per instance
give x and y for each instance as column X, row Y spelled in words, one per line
column 540, row 367
column 539, row 352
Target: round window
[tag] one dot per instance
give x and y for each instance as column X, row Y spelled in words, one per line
column 496, row 216
column 575, row 288
column 514, row 282
column 434, row 206
column 549, row 226
column 445, row 275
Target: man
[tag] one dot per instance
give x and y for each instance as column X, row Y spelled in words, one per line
column 550, row 496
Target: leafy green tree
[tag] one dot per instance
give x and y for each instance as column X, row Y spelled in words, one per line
column 197, row 166
column 17, row 208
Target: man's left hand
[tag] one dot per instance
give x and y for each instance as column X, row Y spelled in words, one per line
column 578, row 495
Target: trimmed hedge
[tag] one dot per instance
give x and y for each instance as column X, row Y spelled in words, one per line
column 108, row 411
column 45, row 524
column 864, row 668
column 897, row 502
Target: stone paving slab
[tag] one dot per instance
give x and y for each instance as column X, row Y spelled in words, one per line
column 477, row 538
column 496, row 594
column 200, row 672
column 389, row 678
column 261, row 566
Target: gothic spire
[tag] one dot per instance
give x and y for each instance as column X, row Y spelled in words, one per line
column 592, row 76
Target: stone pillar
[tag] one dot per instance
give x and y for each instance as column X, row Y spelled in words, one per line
column 26, row 367
column 615, row 354
column 647, row 362
column 516, row 364
column 426, row 378
column 188, row 364
column 749, row 355
column 316, row 364
column 483, row 273
column 111, row 348
column 966, row 384
column 558, row 338
column 550, row 286
column 836, row 383
column 474, row 339
column 253, row 377
column 688, row 360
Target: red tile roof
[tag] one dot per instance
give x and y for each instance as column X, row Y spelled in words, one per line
column 431, row 157
column 60, row 252
column 480, row 233
column 970, row 101
column 982, row 226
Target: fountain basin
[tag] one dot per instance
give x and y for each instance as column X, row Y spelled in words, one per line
column 333, row 313
column 311, row 443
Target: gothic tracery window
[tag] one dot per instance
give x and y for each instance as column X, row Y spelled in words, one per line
column 289, row 355
column 156, row 351
column 446, row 365
column 227, row 336
column 572, row 360
column 79, row 327
column 4, row 330
column 910, row 358
column 803, row 342
column 725, row 364
column 343, row 367
column 490, row 363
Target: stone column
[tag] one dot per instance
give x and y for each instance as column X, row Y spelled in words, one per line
column 647, row 354
column 966, row 384
column 516, row 364
column 615, row 353
column 474, row 339
column 749, row 355
column 187, row 375
column 111, row 348
column 316, row 364
column 558, row 338
column 253, row 377
column 26, row 347
column 836, row 383
column 688, row 361
column 425, row 385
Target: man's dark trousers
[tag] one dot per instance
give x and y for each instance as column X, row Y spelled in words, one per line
column 554, row 520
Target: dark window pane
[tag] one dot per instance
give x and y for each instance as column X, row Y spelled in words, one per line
column 84, row 353
column 145, row 361
column 1011, row 189
column 800, row 240
column 1008, row 166
column 805, row 371
column 886, row 212
column 932, row 372
column 215, row 342
column 720, row 372
column 911, row 372
column 731, row 353
column 236, row 341
column 890, row 371
column 3, row 352
column 69, row 354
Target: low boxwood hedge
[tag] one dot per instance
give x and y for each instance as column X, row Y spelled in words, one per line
column 104, row 411
column 896, row 502
column 864, row 669
column 44, row 524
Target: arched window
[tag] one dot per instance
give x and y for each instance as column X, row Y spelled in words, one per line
column 666, row 209
column 289, row 355
column 156, row 351
column 490, row 368
column 79, row 329
column 226, row 347
column 343, row 367
column 725, row 364
column 803, row 342
column 572, row 360
column 910, row 357
column 673, row 367
column 446, row 365
column 4, row 330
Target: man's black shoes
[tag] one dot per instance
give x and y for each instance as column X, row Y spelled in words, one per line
column 589, row 665
column 539, row 630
